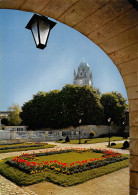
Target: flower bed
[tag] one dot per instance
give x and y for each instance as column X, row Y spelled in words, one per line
column 26, row 162
column 22, row 146
column 4, row 148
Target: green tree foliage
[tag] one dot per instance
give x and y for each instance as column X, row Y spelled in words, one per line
column 14, row 117
column 5, row 121
column 58, row 109
column 92, row 134
column 114, row 107
column 32, row 111
column 52, row 110
column 97, row 91
column 81, row 102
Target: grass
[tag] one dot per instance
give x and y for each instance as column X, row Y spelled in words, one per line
column 119, row 146
column 44, row 146
column 93, row 140
column 24, row 179
column 69, row 157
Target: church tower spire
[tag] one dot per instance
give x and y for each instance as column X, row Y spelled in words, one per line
column 74, row 75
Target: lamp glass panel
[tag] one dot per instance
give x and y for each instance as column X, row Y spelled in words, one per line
column 44, row 29
column 35, row 32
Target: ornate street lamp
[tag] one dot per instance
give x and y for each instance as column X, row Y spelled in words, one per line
column 134, row 3
column 40, row 27
column 109, row 121
column 125, row 132
column 79, row 131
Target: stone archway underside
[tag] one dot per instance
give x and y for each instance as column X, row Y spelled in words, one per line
column 113, row 26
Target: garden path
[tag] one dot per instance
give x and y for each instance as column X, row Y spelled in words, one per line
column 114, row 183
column 96, row 145
column 61, row 145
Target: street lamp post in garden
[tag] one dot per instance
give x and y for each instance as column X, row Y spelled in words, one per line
column 123, row 124
column 79, row 131
column 40, row 27
column 125, row 133
column 109, row 122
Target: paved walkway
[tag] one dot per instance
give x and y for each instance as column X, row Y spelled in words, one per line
column 96, row 145
column 60, row 145
column 114, row 183
column 9, row 188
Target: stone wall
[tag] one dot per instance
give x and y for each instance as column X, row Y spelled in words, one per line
column 4, row 135
column 98, row 129
column 17, row 128
column 54, row 135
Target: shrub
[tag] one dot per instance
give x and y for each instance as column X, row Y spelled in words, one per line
column 113, row 144
column 126, row 144
column 103, row 135
column 92, row 134
column 126, row 135
column 67, row 139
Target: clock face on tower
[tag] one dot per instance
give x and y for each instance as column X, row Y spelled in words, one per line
column 80, row 81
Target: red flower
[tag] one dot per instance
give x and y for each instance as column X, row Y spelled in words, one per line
column 33, row 163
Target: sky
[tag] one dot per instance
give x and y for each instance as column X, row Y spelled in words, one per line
column 26, row 70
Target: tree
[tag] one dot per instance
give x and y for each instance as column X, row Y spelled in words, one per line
column 5, row 121
column 32, row 111
column 58, row 109
column 51, row 111
column 81, row 102
column 92, row 134
column 114, row 107
column 62, row 108
column 97, row 91
column 14, row 118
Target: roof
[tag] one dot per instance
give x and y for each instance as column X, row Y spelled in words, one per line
column 84, row 64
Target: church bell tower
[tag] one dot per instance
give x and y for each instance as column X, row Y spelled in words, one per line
column 83, row 75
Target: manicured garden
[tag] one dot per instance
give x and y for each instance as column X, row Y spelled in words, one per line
column 93, row 140
column 64, row 167
column 4, row 148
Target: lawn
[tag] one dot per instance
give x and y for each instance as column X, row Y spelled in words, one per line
column 67, row 157
column 82, row 166
column 4, row 148
column 93, row 140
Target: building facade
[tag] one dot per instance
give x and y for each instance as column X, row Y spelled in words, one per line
column 83, row 75
column 15, row 128
column 4, row 114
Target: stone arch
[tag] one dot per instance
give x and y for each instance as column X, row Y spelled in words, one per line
column 113, row 26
